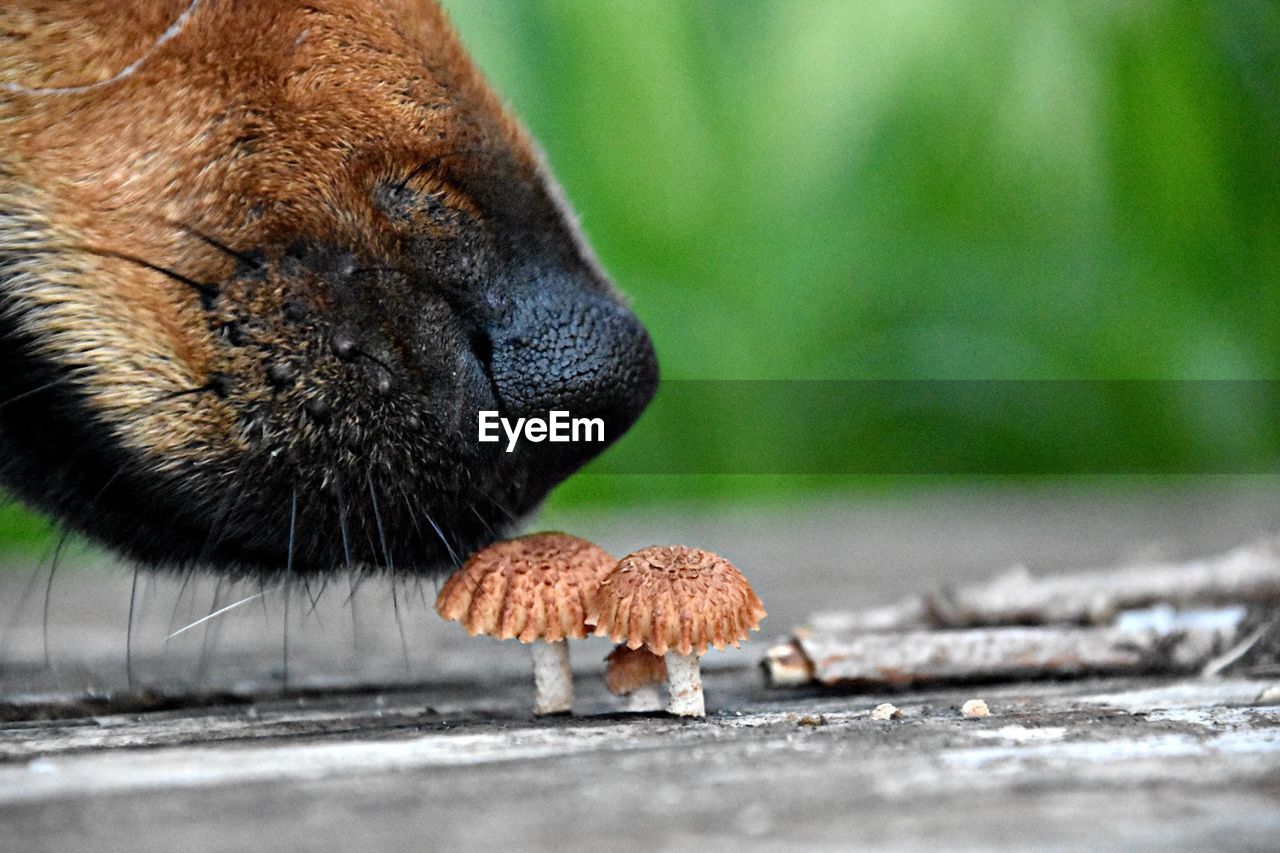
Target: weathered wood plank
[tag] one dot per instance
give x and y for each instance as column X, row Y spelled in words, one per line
column 205, row 752
column 771, row 768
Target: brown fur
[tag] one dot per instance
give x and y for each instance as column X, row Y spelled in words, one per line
column 259, row 127
column 116, row 167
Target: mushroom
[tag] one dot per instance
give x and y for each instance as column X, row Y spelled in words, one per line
column 676, row 601
column 636, row 673
column 533, row 589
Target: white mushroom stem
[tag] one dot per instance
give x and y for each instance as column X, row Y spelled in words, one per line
column 552, row 678
column 685, row 683
column 644, row 698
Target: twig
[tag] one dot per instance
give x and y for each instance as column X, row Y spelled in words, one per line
column 897, row 658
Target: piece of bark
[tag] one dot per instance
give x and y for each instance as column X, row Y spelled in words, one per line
column 900, row 658
column 786, row 665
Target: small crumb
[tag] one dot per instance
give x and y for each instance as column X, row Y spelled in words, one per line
column 886, row 711
column 975, row 708
column 811, row 720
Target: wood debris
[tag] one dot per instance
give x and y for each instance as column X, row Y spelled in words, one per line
column 886, row 711
column 1135, row 620
column 1249, row 574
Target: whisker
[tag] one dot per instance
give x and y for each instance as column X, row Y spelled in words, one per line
column 391, row 568
column 229, row 499
column 404, row 642
column 408, row 505
column 39, row 389
column 205, row 642
column 226, row 609
column 244, row 258
column 368, row 356
column 48, row 593
column 266, row 611
column 382, row 533
column 315, row 599
column 342, row 524
column 431, row 162
column 180, row 393
column 358, row 581
column 288, row 574
column 207, row 291
column 128, row 633
column 498, row 506
column 482, row 519
column 353, row 585
column 453, row 555
column 177, row 602
column 173, row 31
column 355, row 619
column 107, row 485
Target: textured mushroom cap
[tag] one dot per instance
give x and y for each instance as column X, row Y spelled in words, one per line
column 631, row 669
column 675, row 598
column 533, row 588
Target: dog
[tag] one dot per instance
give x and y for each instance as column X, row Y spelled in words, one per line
column 262, row 262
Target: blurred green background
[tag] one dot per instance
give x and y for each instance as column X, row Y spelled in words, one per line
column 909, row 189
column 913, row 189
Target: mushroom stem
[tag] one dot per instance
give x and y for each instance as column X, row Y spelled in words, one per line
column 552, row 678
column 685, row 683
column 644, row 699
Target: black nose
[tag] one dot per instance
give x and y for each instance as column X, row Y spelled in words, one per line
column 569, row 345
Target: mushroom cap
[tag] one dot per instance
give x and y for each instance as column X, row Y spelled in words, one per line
column 533, row 588
column 631, row 669
column 675, row 598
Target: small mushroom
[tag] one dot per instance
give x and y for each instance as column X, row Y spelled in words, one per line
column 675, row 602
column 533, row 589
column 636, row 674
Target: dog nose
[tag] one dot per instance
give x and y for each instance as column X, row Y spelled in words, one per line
column 570, row 346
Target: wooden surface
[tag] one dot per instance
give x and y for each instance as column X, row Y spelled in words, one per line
column 368, row 750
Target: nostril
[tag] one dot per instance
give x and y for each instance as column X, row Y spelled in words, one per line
column 584, row 354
